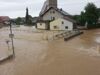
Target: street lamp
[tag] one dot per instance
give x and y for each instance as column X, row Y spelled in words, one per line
column 11, row 35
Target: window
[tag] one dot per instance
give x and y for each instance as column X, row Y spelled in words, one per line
column 50, row 12
column 55, row 27
column 53, row 18
column 66, row 27
column 53, row 11
column 40, row 23
column 62, row 22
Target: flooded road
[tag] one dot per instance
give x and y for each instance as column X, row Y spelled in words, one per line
column 34, row 56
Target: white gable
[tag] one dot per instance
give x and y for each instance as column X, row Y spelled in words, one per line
column 52, row 14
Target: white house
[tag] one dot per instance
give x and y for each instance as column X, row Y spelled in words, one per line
column 61, row 24
column 44, row 25
column 57, row 17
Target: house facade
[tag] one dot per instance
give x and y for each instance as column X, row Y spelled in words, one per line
column 44, row 25
column 53, row 13
column 61, row 24
column 56, row 16
column 59, row 19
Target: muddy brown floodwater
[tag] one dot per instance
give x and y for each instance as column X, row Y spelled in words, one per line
column 78, row 56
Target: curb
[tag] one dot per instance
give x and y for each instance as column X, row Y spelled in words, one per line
column 70, row 37
column 6, row 58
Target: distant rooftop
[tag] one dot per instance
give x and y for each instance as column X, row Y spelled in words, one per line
column 4, row 18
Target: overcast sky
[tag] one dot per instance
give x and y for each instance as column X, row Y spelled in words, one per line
column 16, row 8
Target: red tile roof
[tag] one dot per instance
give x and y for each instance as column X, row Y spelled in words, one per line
column 4, row 18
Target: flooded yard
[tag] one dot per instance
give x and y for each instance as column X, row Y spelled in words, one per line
column 36, row 56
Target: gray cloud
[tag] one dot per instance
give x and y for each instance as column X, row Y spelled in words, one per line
column 15, row 8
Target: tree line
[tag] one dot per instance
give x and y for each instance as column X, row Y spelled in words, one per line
column 27, row 20
column 89, row 17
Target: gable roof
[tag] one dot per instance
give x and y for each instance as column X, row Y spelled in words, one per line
column 63, row 12
column 69, row 19
column 66, row 15
column 58, row 10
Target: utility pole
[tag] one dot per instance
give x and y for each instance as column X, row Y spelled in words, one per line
column 11, row 35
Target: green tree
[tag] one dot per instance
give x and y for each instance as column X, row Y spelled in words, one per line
column 77, row 18
column 99, row 11
column 28, row 18
column 91, row 14
column 82, row 18
column 18, row 21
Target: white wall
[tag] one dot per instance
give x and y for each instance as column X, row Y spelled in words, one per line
column 41, row 25
column 60, row 26
column 50, row 14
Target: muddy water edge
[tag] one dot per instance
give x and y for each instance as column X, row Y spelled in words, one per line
column 78, row 56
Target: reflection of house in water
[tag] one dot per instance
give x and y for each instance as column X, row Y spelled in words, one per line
column 51, row 12
column 4, row 21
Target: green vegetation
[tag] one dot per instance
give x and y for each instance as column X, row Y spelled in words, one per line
column 18, row 21
column 28, row 18
column 88, row 17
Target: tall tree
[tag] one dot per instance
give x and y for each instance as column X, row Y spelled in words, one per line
column 99, row 11
column 27, row 16
column 91, row 14
column 82, row 18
